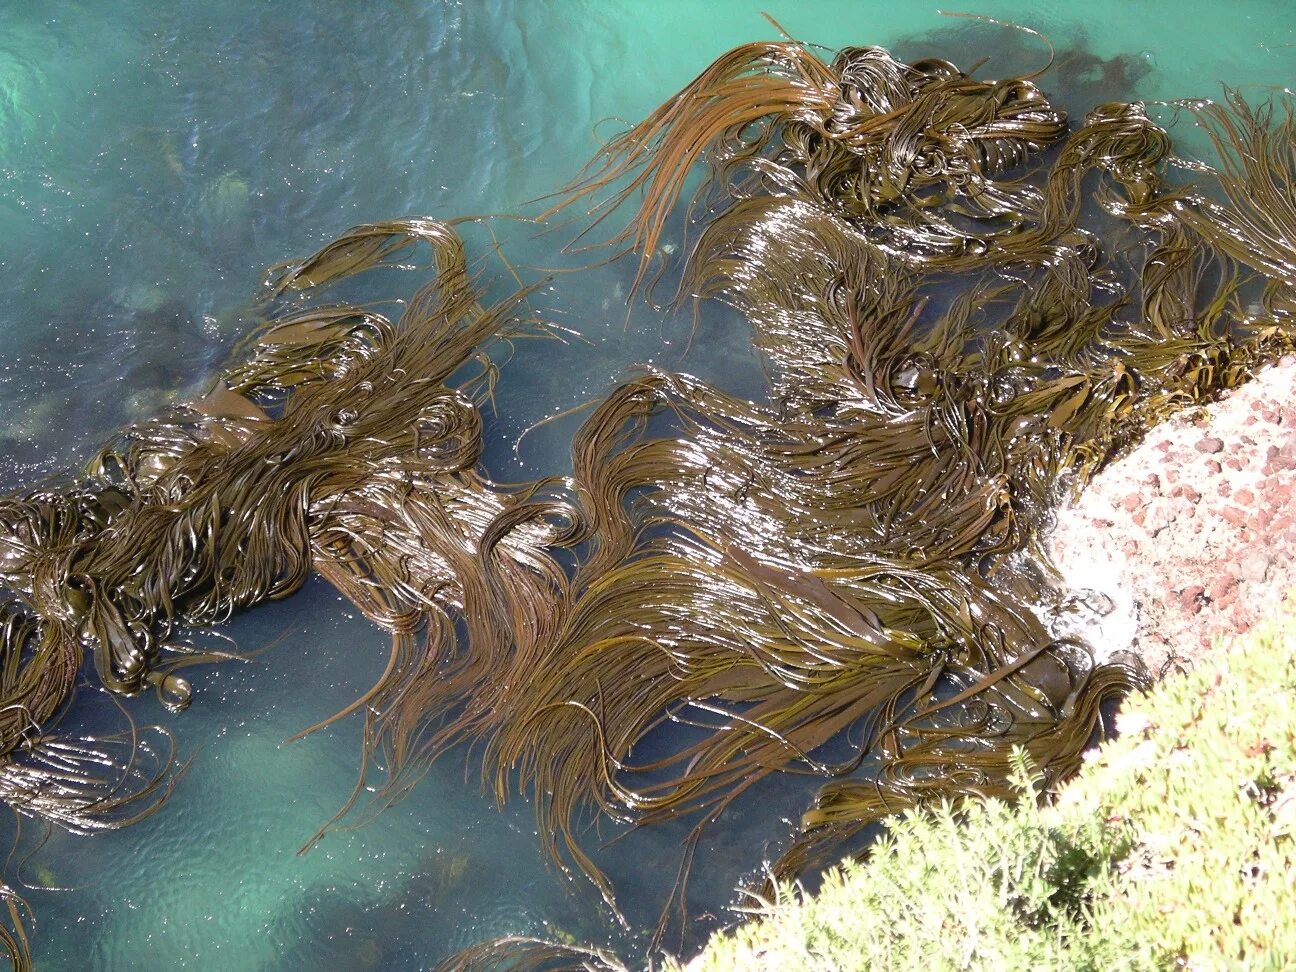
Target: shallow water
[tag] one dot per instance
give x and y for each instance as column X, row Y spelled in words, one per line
column 155, row 158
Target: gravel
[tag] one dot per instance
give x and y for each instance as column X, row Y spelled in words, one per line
column 1191, row 537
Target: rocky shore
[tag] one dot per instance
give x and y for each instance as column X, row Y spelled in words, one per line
column 1190, row 537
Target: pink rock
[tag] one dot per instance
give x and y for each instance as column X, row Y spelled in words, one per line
column 1190, row 598
column 1221, row 586
column 1159, row 516
column 1233, row 515
column 1255, row 567
column 1260, row 519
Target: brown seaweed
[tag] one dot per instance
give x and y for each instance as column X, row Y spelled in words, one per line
column 967, row 305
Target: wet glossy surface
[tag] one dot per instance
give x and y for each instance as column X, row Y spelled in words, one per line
column 155, row 158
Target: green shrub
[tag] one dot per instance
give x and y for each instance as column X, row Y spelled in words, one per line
column 1173, row 848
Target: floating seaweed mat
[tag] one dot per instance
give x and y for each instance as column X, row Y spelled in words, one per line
column 341, row 441
column 863, row 552
column 951, row 349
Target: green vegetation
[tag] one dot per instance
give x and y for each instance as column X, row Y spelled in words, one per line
column 853, row 561
column 1173, row 848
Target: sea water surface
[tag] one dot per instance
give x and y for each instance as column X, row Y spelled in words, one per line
column 155, row 157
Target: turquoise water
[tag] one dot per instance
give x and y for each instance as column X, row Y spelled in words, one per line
column 155, row 157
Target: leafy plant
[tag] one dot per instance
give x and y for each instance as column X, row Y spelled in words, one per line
column 1172, row 848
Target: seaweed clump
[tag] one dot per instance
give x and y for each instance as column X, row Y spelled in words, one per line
column 967, row 305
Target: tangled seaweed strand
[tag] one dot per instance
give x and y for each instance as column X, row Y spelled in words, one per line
column 966, row 308
column 301, row 457
column 865, row 551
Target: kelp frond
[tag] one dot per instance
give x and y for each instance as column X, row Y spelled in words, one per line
column 845, row 582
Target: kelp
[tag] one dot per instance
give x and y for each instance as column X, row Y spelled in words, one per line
column 535, row 955
column 864, row 552
column 13, row 930
column 966, row 306
column 1256, row 169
